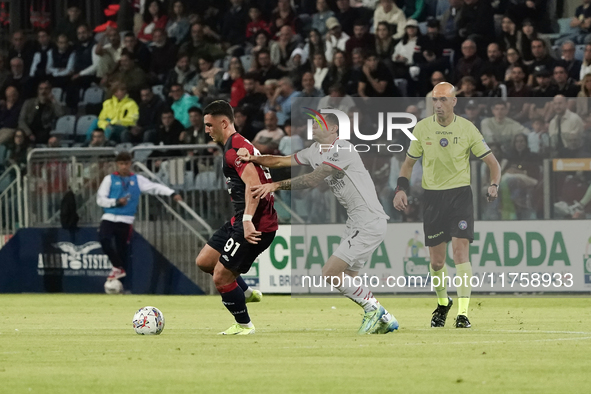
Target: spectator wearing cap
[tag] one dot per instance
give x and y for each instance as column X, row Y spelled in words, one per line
column 586, row 65
column 495, row 62
column 335, row 39
column 572, row 65
column 501, row 129
column 387, row 11
column 405, row 49
column 361, row 38
column 565, row 86
column 472, row 113
column 543, row 78
column 566, row 127
column 319, row 18
column 539, row 50
column 493, row 88
column 347, row 15
column 470, row 64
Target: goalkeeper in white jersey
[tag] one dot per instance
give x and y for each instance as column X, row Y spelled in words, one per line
column 336, row 162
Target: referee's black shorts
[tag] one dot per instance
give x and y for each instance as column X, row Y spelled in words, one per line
column 448, row 213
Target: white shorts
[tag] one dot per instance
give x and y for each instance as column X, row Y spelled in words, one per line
column 359, row 243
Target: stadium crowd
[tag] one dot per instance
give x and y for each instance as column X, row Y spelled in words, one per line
column 525, row 89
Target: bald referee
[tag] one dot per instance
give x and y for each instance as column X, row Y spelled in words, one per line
column 445, row 141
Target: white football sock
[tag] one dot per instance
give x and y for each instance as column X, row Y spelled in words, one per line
column 248, row 325
column 247, row 292
column 359, row 295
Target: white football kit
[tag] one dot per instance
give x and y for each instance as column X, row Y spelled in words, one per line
column 354, row 189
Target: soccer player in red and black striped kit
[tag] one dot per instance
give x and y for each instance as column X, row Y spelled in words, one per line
column 236, row 245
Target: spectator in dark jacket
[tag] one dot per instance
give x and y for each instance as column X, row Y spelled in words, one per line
column 69, row 25
column 163, row 55
column 9, row 113
column 168, row 133
column 150, row 109
column 39, row 114
column 234, row 24
column 184, row 73
column 22, row 49
column 17, row 78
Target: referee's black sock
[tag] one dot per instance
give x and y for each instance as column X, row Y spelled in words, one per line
column 234, row 300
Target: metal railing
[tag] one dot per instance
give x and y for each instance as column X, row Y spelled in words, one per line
column 11, row 210
column 178, row 236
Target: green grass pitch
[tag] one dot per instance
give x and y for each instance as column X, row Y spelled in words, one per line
column 85, row 344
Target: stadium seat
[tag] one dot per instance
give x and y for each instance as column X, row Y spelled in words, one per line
column 58, row 93
column 423, row 28
column 580, row 52
column 82, row 126
column 142, row 155
column 65, row 127
column 564, row 26
column 402, row 85
column 158, row 90
column 92, row 95
column 125, row 146
column 246, row 61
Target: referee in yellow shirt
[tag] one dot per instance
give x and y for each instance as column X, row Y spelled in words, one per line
column 445, row 141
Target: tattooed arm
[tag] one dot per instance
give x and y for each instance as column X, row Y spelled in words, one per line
column 301, row 182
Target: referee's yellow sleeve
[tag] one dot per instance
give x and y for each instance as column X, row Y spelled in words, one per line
column 478, row 145
column 415, row 150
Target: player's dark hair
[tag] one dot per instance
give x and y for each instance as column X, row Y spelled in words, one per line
column 489, row 72
column 123, row 156
column 166, row 110
column 220, row 108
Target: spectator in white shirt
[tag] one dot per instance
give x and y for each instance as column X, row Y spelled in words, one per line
column 336, row 38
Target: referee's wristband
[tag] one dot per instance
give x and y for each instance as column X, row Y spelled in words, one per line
column 495, row 185
column 247, row 218
column 402, row 185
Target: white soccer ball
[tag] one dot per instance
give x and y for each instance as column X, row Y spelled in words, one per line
column 148, row 321
column 113, row 286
